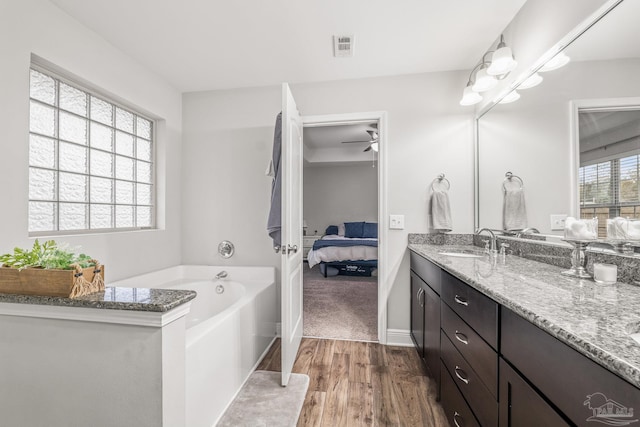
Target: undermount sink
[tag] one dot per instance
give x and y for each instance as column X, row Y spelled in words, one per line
column 463, row 253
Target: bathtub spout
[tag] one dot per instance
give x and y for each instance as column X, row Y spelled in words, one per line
column 221, row 275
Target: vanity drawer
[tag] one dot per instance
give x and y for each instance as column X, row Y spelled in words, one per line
column 482, row 403
column 566, row 377
column 477, row 310
column 455, row 408
column 428, row 271
column 482, row 358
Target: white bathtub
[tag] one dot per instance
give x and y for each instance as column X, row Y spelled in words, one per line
column 227, row 334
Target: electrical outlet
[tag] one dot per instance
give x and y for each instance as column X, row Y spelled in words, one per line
column 557, row 222
column 396, row 222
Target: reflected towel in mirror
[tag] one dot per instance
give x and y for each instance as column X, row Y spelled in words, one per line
column 440, row 211
column 514, row 212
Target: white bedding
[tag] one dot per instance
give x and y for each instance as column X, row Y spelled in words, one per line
column 342, row 253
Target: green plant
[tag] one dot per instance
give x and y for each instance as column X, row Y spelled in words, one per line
column 48, row 255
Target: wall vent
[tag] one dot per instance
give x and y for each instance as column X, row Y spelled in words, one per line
column 343, row 45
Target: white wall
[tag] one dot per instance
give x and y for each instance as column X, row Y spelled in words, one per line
column 532, row 138
column 37, row 26
column 337, row 194
column 227, row 144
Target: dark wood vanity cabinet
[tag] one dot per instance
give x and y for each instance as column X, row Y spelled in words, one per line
column 425, row 313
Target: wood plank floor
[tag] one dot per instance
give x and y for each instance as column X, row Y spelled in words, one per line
column 362, row 384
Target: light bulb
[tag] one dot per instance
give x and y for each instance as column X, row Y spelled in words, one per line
column 484, row 81
column 469, row 97
column 502, row 62
column 533, row 80
column 511, row 97
column 560, row 60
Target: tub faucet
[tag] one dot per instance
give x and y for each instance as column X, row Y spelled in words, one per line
column 221, row 275
column 493, row 250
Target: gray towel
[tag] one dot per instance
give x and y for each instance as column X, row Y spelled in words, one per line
column 514, row 213
column 440, row 211
column 274, row 223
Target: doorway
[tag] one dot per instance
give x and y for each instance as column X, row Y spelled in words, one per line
column 343, row 292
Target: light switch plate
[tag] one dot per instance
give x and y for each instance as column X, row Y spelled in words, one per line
column 557, row 222
column 396, row 222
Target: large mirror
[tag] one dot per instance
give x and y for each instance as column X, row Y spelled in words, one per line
column 572, row 143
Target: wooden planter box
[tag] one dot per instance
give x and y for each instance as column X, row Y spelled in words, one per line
column 54, row 283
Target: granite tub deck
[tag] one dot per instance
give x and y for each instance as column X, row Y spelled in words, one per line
column 596, row 320
column 112, row 298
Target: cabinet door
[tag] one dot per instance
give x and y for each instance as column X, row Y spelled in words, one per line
column 417, row 313
column 521, row 405
column 432, row 333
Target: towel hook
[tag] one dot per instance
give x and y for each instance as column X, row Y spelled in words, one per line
column 509, row 177
column 441, row 180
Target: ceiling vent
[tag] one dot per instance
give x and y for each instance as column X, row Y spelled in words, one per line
column 343, row 46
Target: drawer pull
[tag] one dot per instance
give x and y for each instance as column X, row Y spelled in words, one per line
column 455, row 418
column 461, row 377
column 460, row 300
column 464, row 339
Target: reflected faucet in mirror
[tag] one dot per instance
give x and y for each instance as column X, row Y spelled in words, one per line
column 529, row 230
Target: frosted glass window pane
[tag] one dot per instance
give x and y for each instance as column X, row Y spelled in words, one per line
column 42, row 119
column 143, row 194
column 42, row 216
column 72, row 99
column 101, row 190
column 73, row 216
column 124, row 192
column 73, row 188
column 143, row 216
column 124, row 216
column 73, row 128
column 101, row 164
column 143, row 149
column 143, row 172
column 42, row 151
column 101, row 137
column 101, row 111
column 101, row 216
column 124, row 120
column 124, row 168
column 43, row 88
column 124, row 144
column 42, row 184
column 143, row 128
column 73, row 158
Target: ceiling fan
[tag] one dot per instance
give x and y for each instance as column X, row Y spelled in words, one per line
column 373, row 141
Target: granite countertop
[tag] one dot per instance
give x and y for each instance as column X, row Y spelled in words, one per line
column 596, row 320
column 113, row 298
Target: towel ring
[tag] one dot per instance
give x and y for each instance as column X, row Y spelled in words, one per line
column 509, row 177
column 440, row 180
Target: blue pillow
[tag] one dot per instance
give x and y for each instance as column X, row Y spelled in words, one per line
column 332, row 229
column 353, row 230
column 370, row 230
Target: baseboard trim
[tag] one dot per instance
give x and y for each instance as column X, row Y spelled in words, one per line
column 399, row 337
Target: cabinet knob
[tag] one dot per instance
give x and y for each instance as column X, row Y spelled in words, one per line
column 460, row 300
column 461, row 376
column 462, row 337
column 455, row 419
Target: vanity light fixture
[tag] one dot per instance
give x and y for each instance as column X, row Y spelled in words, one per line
column 486, row 74
column 511, row 97
column 560, row 60
column 533, row 80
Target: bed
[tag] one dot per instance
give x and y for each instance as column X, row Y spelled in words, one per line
column 350, row 250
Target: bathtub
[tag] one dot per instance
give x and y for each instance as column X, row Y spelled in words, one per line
column 227, row 333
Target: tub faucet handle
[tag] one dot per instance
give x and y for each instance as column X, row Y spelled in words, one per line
column 221, row 275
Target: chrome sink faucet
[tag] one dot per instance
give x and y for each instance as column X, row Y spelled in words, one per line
column 530, row 230
column 493, row 250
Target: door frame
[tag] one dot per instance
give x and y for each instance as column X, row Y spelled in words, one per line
column 384, row 283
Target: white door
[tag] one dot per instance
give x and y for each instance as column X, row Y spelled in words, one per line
column 291, row 250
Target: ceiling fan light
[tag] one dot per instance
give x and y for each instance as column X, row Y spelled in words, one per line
column 375, row 147
column 533, row 80
column 469, row 97
column 502, row 62
column 558, row 61
column 511, row 97
column 484, row 81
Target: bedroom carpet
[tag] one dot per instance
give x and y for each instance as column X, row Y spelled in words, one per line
column 340, row 307
column 263, row 402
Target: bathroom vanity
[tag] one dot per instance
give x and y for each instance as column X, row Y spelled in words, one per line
column 522, row 345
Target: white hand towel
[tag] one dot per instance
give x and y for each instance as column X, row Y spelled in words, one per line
column 514, row 212
column 440, row 211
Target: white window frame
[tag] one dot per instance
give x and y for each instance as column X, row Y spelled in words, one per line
column 86, row 88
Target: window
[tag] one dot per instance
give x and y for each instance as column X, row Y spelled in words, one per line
column 90, row 160
column 610, row 189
